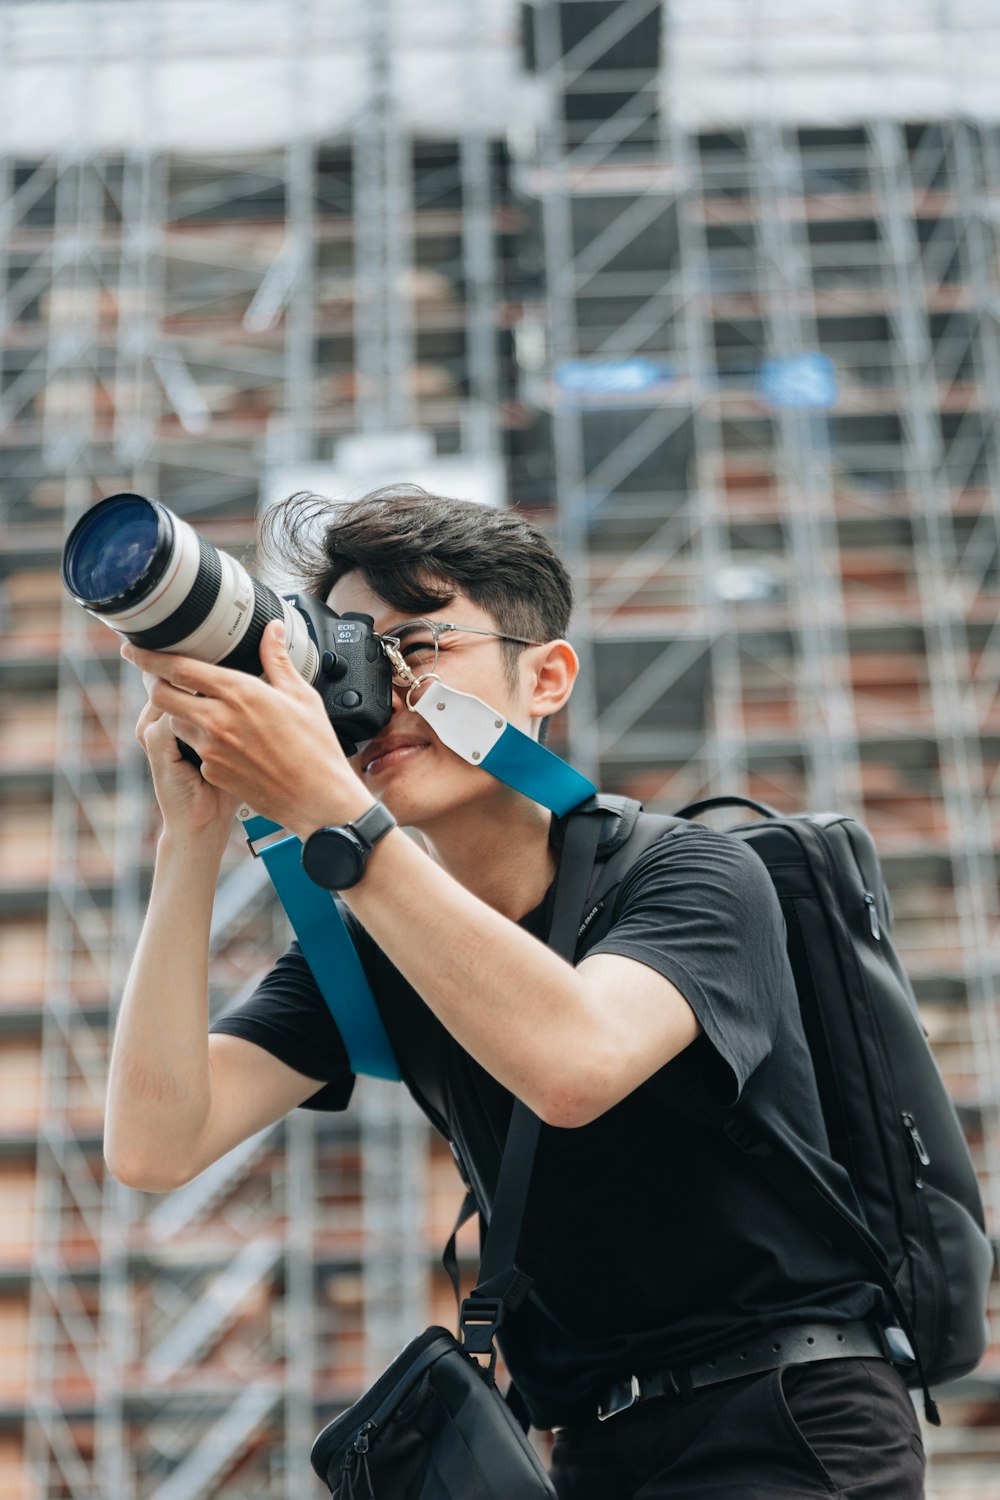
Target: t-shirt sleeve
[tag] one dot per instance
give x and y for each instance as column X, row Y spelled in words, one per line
column 288, row 1017
column 700, row 909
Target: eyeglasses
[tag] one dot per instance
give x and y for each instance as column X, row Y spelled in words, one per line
column 413, row 648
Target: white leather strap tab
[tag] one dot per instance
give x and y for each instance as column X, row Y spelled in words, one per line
column 461, row 721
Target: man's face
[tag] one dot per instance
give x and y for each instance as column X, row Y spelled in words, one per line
column 405, row 765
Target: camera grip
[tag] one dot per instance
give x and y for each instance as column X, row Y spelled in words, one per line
column 189, row 754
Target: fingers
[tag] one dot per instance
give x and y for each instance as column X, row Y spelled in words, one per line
column 181, row 671
column 273, row 655
column 192, row 676
column 172, row 684
column 237, row 723
column 154, row 733
column 167, row 698
column 277, row 664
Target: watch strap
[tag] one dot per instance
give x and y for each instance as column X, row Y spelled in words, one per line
column 373, row 825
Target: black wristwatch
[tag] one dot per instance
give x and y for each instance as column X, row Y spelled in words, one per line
column 335, row 858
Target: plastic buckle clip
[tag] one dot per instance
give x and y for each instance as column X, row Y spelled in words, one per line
column 898, row 1348
column 259, row 832
column 478, row 1322
column 623, row 1394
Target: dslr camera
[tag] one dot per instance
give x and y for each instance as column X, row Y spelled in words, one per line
column 140, row 569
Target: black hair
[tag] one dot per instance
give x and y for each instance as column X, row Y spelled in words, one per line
column 416, row 550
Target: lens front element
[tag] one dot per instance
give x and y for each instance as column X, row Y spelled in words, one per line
column 144, row 571
column 112, row 549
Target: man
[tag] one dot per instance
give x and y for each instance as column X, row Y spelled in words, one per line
column 656, row 1251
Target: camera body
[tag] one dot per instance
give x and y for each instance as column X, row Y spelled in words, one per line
column 142, row 570
column 353, row 677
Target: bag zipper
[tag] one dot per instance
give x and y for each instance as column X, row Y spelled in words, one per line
column 871, row 904
column 919, row 1149
column 917, row 1204
column 873, row 921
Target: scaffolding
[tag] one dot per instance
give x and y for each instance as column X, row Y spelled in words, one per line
column 770, row 376
column 733, row 338
column 181, row 317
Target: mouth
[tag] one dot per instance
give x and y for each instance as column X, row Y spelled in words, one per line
column 392, row 756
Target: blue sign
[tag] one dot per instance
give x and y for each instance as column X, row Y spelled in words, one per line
column 799, row 382
column 591, row 379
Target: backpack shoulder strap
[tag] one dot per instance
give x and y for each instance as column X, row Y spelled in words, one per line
column 627, row 833
column 501, row 1285
column 645, row 830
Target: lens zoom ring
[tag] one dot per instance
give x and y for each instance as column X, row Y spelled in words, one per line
column 266, row 606
column 193, row 610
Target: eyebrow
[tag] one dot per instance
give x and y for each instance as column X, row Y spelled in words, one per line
column 399, row 625
column 419, row 620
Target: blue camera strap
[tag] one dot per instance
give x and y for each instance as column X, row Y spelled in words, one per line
column 482, row 737
column 328, row 950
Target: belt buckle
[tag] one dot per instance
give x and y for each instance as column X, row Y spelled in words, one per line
column 624, row 1393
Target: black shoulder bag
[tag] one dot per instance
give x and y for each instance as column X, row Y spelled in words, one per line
column 434, row 1426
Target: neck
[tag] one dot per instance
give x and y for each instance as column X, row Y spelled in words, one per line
column 498, row 850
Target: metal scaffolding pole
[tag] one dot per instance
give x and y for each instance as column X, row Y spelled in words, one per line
column 64, row 1312
column 803, row 461
column 576, row 167
column 385, row 349
column 723, row 754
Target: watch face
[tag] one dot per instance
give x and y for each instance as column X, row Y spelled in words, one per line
column 333, row 858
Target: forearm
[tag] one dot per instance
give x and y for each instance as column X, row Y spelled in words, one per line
column 511, row 1002
column 159, row 1086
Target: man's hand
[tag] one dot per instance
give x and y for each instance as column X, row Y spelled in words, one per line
column 268, row 743
column 189, row 806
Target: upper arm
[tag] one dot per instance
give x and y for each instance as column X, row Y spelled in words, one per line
column 250, row 1089
column 643, row 1022
column 696, row 947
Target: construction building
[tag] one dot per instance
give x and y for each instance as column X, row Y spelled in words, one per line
column 708, row 288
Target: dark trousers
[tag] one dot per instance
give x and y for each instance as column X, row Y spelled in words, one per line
column 843, row 1427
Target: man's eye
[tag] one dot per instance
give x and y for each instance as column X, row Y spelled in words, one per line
column 417, row 650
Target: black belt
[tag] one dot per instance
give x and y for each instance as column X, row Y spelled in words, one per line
column 797, row 1345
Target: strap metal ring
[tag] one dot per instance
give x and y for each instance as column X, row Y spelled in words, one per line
column 426, row 677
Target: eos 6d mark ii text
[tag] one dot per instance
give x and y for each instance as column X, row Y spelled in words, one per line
column 137, row 567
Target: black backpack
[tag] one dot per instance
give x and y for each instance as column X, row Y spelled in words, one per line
column 891, row 1123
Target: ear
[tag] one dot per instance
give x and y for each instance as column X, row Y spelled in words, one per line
column 553, row 671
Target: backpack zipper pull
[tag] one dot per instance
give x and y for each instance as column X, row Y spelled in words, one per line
column 355, row 1464
column 873, row 916
column 919, row 1149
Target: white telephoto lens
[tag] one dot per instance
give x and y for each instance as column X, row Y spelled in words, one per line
column 139, row 568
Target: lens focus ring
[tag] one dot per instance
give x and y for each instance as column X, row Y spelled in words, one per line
column 192, row 611
column 266, row 607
